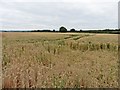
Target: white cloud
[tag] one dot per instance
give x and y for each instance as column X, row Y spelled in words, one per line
column 86, row 1
column 24, row 14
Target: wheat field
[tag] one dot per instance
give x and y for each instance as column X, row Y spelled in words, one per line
column 59, row 60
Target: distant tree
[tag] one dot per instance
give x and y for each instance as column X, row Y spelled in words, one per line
column 53, row 30
column 107, row 29
column 37, row 31
column 80, row 30
column 62, row 29
column 72, row 30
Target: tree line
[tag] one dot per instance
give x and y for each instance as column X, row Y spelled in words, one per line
column 64, row 29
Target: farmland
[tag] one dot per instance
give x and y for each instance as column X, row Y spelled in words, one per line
column 59, row 60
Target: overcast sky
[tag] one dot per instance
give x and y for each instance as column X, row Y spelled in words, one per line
column 51, row 14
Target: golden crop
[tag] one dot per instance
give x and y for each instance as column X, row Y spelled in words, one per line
column 59, row 60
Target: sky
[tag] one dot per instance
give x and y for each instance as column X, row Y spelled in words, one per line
column 52, row 14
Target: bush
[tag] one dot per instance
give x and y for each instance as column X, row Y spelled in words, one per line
column 53, row 30
column 72, row 30
column 62, row 29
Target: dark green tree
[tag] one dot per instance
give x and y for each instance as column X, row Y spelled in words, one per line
column 72, row 30
column 62, row 29
column 80, row 30
column 53, row 30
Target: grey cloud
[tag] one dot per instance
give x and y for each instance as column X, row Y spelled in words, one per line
column 41, row 15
